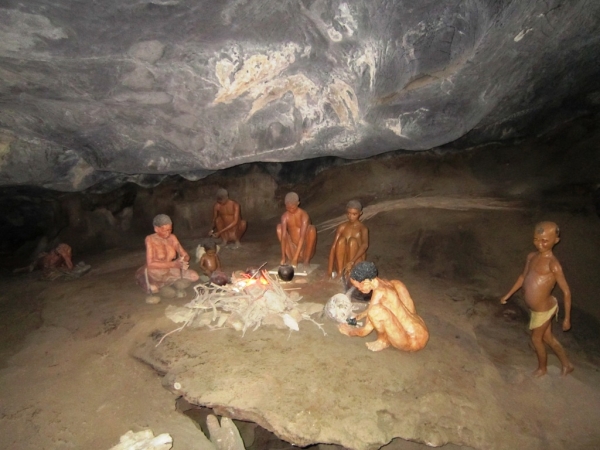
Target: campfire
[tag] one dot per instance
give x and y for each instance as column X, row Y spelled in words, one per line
column 249, row 301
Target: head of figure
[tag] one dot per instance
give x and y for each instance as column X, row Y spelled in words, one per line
column 222, row 195
column 545, row 236
column 210, row 247
column 63, row 250
column 362, row 276
column 353, row 210
column 291, row 202
column 163, row 226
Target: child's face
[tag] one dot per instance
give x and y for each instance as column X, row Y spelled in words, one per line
column 211, row 251
column 353, row 214
column 544, row 238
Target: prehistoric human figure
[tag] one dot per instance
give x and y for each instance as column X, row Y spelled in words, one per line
column 166, row 260
column 59, row 258
column 542, row 272
column 297, row 236
column 227, row 219
column 210, row 261
column 391, row 312
column 350, row 243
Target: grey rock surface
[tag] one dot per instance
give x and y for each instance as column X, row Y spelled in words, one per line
column 132, row 90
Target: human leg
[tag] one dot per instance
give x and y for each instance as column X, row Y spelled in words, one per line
column 340, row 255
column 382, row 319
column 310, row 244
column 537, row 339
column 191, row 275
column 241, row 229
column 558, row 349
column 290, row 247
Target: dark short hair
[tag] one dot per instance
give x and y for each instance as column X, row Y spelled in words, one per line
column 354, row 204
column 364, row 270
column 161, row 220
column 210, row 245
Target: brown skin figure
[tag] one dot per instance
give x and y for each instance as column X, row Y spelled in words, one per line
column 350, row 243
column 210, row 262
column 391, row 312
column 166, row 260
column 297, row 236
column 227, row 219
column 59, row 258
column 542, row 272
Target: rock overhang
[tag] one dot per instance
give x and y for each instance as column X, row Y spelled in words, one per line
column 133, row 91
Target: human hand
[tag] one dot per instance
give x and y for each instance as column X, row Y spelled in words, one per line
column 566, row 324
column 348, row 268
column 504, row 299
column 180, row 263
column 345, row 329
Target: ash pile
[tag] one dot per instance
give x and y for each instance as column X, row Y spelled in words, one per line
column 246, row 303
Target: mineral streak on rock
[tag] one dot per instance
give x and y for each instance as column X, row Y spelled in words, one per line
column 215, row 84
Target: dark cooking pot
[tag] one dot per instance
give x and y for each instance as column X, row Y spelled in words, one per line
column 252, row 272
column 286, row 272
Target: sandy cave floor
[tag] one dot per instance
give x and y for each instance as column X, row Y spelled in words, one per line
column 77, row 357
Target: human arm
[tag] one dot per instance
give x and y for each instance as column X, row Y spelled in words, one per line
column 338, row 233
column 305, row 222
column 556, row 268
column 181, row 253
column 214, row 220
column 349, row 330
column 65, row 252
column 362, row 249
column 236, row 216
column 284, row 237
column 519, row 283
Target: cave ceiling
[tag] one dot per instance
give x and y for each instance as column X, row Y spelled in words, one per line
column 131, row 90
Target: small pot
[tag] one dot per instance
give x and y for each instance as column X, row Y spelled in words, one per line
column 286, row 272
column 252, row 272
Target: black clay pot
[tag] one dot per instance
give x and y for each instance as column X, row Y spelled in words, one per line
column 219, row 278
column 253, row 272
column 286, row 272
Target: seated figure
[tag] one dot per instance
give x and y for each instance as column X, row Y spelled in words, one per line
column 297, row 236
column 209, row 259
column 166, row 259
column 350, row 242
column 59, row 258
column 391, row 312
column 227, row 219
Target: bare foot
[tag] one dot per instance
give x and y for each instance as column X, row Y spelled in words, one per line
column 377, row 346
column 539, row 373
column 567, row 370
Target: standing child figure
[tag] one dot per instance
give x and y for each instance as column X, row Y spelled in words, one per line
column 542, row 272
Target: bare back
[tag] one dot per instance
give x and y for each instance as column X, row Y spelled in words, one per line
column 394, row 296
